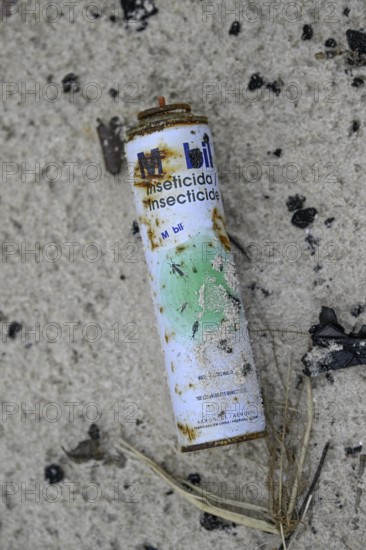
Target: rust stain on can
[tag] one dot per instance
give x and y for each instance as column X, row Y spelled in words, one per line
column 222, row 442
column 220, row 228
column 186, row 430
column 158, row 118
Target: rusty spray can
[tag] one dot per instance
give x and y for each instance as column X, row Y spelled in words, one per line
column 200, row 315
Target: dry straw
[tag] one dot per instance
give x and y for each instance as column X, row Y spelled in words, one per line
column 288, row 476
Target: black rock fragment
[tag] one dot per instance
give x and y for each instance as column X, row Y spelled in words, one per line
column 135, row 227
column 235, row 28
column 304, row 217
column 350, row 451
column 112, row 145
column 210, row 522
column 357, row 310
column 255, row 82
column 113, row 93
column 330, row 43
column 70, row 83
column 13, row 329
column 357, row 82
column 138, row 11
column 313, row 243
column 275, row 87
column 333, row 348
column 307, row 32
column 356, row 41
column 346, row 12
column 295, row 202
column 195, row 478
column 54, row 473
column 355, row 126
column 328, row 222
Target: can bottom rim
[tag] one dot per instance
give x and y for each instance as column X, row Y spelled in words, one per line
column 221, row 442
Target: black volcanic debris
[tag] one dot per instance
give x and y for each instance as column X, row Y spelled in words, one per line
column 357, row 82
column 13, row 329
column 211, row 523
column 346, row 12
column 328, row 222
column 275, row 87
column 295, row 202
column 54, row 473
column 355, row 126
column 235, row 28
column 357, row 310
column 138, row 11
column 255, row 82
column 304, row 217
column 330, row 43
column 70, row 83
column 307, row 32
column 135, row 228
column 112, row 145
column 195, row 478
column 356, row 41
column 113, row 93
column 351, row 451
column 333, row 348
column 313, row 243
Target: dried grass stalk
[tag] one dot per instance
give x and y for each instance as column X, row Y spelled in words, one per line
column 286, row 480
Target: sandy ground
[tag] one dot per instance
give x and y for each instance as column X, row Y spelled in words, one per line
column 94, row 353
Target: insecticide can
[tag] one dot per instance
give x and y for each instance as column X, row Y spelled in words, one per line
column 200, row 315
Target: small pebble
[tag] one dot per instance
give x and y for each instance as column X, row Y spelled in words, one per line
column 255, row 82
column 13, row 329
column 275, row 87
column 346, row 12
column 353, row 450
column 304, row 217
column 210, row 522
column 356, row 41
column 328, row 222
column 135, row 227
column 54, row 473
column 357, row 82
column 307, row 32
column 313, row 243
column 330, row 43
column 113, row 93
column 295, row 202
column 195, row 479
column 357, row 310
column 70, row 82
column 355, row 126
column 235, row 28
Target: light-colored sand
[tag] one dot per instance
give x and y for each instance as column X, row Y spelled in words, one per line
column 176, row 55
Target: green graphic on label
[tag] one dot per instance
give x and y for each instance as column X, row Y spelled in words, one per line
column 198, row 286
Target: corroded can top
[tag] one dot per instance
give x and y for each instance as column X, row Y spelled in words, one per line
column 162, row 116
